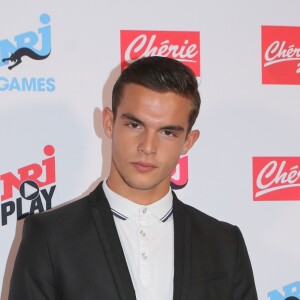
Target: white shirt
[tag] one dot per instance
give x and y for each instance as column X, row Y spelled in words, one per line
column 147, row 237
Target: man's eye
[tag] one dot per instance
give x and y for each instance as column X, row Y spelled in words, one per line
column 134, row 125
column 168, row 133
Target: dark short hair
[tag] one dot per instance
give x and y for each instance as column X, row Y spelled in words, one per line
column 160, row 74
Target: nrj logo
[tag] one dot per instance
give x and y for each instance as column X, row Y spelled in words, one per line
column 30, row 191
column 276, row 178
column 35, row 45
column 183, row 46
column 180, row 175
column 25, row 45
column 290, row 292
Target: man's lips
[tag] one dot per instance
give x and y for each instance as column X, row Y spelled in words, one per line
column 144, row 167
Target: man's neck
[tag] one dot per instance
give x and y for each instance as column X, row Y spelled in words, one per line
column 142, row 197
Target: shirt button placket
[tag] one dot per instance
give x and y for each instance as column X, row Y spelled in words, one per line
column 144, row 246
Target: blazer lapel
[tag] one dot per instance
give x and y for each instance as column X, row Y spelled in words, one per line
column 111, row 243
column 182, row 251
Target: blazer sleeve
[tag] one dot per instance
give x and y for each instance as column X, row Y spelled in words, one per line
column 244, row 285
column 33, row 276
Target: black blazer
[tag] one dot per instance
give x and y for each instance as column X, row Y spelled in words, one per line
column 74, row 253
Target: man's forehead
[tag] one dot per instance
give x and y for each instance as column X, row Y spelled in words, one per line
column 133, row 92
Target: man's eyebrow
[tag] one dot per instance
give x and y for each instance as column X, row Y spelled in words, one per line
column 131, row 118
column 172, row 128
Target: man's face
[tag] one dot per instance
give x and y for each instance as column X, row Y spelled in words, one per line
column 149, row 133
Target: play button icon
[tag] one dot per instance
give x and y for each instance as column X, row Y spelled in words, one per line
column 29, row 190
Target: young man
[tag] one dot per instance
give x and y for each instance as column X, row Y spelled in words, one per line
column 132, row 238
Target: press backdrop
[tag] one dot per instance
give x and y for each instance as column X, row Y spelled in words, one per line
column 65, row 57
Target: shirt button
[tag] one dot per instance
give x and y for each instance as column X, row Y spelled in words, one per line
column 144, row 255
column 144, row 210
column 143, row 233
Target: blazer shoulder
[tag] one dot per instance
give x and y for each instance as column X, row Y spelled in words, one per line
column 60, row 214
column 197, row 216
column 208, row 227
column 73, row 211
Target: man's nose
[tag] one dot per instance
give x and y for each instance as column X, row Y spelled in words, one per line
column 148, row 143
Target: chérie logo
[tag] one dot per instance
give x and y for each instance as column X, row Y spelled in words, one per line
column 183, row 46
column 276, row 178
column 290, row 292
column 30, row 191
column 280, row 54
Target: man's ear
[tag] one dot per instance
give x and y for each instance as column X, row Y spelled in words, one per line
column 108, row 121
column 191, row 138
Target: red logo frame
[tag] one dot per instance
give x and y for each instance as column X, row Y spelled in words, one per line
column 181, row 45
column 276, row 178
column 280, row 54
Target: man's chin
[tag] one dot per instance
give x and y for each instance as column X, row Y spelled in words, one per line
column 143, row 184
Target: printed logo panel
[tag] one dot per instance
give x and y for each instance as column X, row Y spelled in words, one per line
column 289, row 292
column 280, row 55
column 276, row 178
column 25, row 44
column 30, row 190
column 180, row 174
column 19, row 51
column 183, row 46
